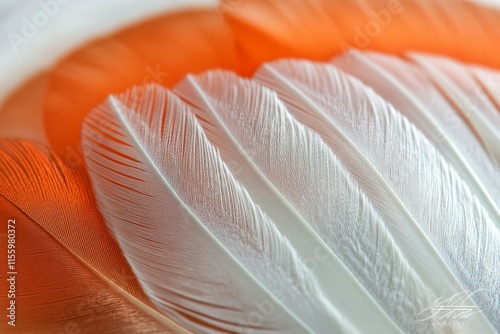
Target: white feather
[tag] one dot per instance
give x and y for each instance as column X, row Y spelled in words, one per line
column 199, row 246
column 414, row 95
column 467, row 96
column 249, row 124
column 366, row 132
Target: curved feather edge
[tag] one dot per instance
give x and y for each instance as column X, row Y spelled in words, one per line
column 59, row 208
column 170, row 200
column 372, row 138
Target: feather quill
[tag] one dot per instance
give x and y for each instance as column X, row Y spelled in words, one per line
column 413, row 94
column 71, row 273
column 248, row 123
column 364, row 130
column 204, row 253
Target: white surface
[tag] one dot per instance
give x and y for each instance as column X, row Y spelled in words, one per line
column 74, row 23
